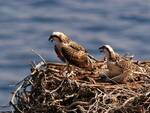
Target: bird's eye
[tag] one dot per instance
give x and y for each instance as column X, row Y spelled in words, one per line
column 101, row 50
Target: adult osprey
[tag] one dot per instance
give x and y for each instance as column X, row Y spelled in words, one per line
column 70, row 52
column 120, row 69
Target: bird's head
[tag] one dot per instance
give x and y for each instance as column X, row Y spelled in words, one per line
column 59, row 37
column 108, row 51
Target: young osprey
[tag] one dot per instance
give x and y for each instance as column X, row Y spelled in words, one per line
column 70, row 52
column 120, row 68
column 111, row 58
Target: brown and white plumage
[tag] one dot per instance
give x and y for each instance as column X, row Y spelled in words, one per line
column 70, row 52
column 111, row 58
column 120, row 69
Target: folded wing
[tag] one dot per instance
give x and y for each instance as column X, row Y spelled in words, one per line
column 76, row 57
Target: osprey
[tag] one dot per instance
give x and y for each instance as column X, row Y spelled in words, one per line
column 111, row 59
column 120, row 68
column 70, row 52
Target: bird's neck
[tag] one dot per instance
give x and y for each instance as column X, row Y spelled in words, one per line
column 111, row 56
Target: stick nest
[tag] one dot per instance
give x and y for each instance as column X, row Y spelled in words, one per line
column 51, row 89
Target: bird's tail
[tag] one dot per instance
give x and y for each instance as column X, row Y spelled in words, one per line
column 92, row 58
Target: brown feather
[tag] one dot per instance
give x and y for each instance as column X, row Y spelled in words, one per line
column 75, row 57
column 59, row 54
column 76, row 46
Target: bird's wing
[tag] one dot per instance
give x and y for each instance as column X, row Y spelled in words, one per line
column 59, row 54
column 77, row 58
column 76, row 46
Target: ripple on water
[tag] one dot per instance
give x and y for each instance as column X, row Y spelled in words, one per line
column 26, row 25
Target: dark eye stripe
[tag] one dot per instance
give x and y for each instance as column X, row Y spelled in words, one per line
column 57, row 37
column 102, row 47
column 110, row 54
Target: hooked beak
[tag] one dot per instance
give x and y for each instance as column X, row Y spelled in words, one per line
column 51, row 38
column 101, row 49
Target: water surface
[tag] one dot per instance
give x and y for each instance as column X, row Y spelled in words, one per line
column 27, row 24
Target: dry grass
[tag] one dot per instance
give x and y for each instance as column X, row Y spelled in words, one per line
column 50, row 88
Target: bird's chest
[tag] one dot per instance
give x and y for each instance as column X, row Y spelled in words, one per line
column 58, row 50
column 114, row 69
column 58, row 46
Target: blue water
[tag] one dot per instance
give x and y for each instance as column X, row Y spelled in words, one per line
column 27, row 24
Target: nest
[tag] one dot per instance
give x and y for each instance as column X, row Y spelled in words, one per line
column 51, row 88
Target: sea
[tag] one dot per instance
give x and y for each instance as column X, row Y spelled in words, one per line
column 25, row 26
